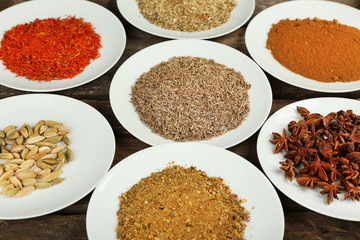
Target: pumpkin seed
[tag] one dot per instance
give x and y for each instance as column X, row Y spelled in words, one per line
column 7, row 175
column 43, row 165
column 38, row 126
column 4, row 183
column 7, row 188
column 12, row 192
column 28, row 181
column 42, row 185
column 25, row 191
column 57, row 181
column 25, row 174
column 55, row 139
column 69, row 154
column 15, row 181
column 6, row 156
column 24, row 132
column 17, row 148
column 9, row 128
column 51, row 176
column 34, row 139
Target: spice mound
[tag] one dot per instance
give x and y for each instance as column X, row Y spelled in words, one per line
column 187, row 15
column 33, row 157
column 50, row 49
column 191, row 99
column 326, row 51
column 181, row 203
column 323, row 151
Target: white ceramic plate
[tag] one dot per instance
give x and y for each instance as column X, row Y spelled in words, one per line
column 106, row 24
column 258, row 28
column 130, row 11
column 309, row 198
column 260, row 95
column 89, row 131
column 244, row 179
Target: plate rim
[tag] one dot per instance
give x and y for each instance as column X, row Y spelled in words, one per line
column 120, row 28
column 183, row 145
column 90, row 188
column 261, row 140
column 169, row 33
column 170, row 44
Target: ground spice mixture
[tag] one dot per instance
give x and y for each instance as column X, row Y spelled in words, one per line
column 323, row 151
column 191, row 99
column 181, row 203
column 50, row 49
column 187, row 15
column 322, row 50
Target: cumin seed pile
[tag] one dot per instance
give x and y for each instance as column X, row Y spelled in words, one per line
column 181, row 203
column 191, row 99
column 187, row 15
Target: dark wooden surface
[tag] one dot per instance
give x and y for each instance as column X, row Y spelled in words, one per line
column 70, row 223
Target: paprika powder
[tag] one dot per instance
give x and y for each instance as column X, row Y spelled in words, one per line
column 322, row 50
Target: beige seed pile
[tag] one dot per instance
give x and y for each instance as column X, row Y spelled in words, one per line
column 32, row 157
column 191, row 99
column 187, row 15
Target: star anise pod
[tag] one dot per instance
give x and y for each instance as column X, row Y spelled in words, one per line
column 331, row 190
column 305, row 136
column 303, row 112
column 342, row 122
column 301, row 153
column 294, row 127
column 353, row 191
column 307, row 181
column 334, row 171
column 325, row 148
column 355, row 134
column 343, row 161
column 319, row 121
column 315, row 133
column 280, row 141
column 289, row 169
column 319, row 167
column 341, row 136
column 355, row 166
column 353, row 157
column 306, row 114
column 344, row 148
column 349, row 173
column 325, row 121
column 306, row 169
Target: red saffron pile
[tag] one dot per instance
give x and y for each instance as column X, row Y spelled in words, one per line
column 50, row 49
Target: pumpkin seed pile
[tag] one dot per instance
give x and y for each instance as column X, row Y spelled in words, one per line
column 32, row 157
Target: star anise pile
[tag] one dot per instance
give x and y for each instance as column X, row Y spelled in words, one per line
column 323, row 151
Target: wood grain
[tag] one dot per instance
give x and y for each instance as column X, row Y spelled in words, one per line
column 70, row 222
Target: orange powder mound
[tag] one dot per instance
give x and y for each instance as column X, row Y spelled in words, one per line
column 325, row 51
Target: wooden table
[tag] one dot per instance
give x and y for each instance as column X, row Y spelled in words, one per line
column 70, row 223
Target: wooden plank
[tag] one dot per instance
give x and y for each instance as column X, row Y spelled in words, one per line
column 313, row 226
column 70, row 222
column 52, row 226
